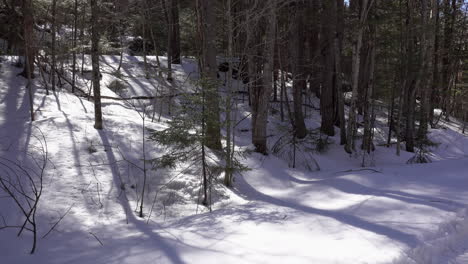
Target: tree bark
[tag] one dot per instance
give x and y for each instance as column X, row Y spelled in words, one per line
column 327, row 94
column 95, row 64
column 338, row 70
column 175, row 31
column 428, row 10
column 357, row 44
column 299, row 73
column 54, row 40
column 28, row 36
column 263, row 93
column 447, row 73
column 75, row 37
column 208, row 72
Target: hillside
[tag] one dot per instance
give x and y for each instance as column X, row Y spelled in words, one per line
column 391, row 212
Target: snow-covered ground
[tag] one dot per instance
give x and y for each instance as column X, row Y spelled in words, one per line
column 389, row 213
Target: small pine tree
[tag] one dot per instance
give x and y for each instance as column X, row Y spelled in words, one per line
column 185, row 140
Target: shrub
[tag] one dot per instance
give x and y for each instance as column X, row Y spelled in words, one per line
column 118, row 87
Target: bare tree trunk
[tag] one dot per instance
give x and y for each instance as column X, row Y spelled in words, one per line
column 299, row 77
column 75, row 30
column 338, row 70
column 29, row 53
column 435, row 100
column 403, row 81
column 208, row 71
column 145, row 59
column 54, row 40
column 427, row 76
column 82, row 38
column 175, row 40
column 229, row 146
column 327, row 94
column 447, row 73
column 170, row 36
column 368, row 104
column 28, row 36
column 357, row 44
column 410, row 79
column 259, row 135
column 95, row 64
column 391, row 113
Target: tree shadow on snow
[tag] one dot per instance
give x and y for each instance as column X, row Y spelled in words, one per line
column 248, row 191
column 169, row 250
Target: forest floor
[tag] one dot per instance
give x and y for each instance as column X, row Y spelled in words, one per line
column 391, row 212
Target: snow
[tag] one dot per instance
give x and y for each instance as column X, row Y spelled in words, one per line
column 389, row 213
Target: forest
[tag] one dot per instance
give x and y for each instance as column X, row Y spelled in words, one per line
column 234, row 131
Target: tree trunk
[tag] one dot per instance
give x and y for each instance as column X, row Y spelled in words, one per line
column 447, row 73
column 368, row 103
column 357, row 44
column 75, row 31
column 299, row 77
column 228, row 172
column 410, row 78
column 434, row 101
column 209, row 69
column 327, row 94
column 427, row 76
column 29, row 53
column 54, row 40
column 95, row 64
column 28, row 36
column 263, row 93
column 175, row 31
column 338, row 70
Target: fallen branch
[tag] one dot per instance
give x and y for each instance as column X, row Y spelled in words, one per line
column 135, row 97
column 100, row 242
column 58, row 221
column 366, row 169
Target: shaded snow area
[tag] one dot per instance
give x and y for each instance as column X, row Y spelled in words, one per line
column 391, row 212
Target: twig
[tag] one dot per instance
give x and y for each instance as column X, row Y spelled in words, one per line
column 366, row 169
column 58, row 221
column 100, row 242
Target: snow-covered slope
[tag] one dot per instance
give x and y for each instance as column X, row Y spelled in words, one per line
column 390, row 213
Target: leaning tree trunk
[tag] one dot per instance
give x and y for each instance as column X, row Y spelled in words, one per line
column 95, row 64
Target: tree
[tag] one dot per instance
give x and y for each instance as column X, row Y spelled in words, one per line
column 208, row 69
column 298, row 37
column 28, row 37
column 174, row 31
column 262, row 94
column 75, row 44
column 327, row 93
column 53, row 46
column 95, row 64
column 363, row 9
column 28, row 71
